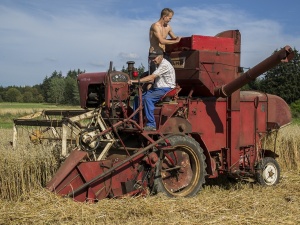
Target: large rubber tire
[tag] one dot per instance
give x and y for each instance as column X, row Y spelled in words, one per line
column 268, row 172
column 181, row 172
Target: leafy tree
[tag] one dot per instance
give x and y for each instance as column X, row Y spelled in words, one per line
column 46, row 85
column 13, row 95
column 253, row 85
column 70, row 91
column 39, row 98
column 283, row 80
column 2, row 92
column 56, row 91
column 36, row 94
column 141, row 69
column 71, row 95
column 28, row 96
column 73, row 73
column 295, row 108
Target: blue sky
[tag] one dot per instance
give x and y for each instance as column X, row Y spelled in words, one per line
column 38, row 37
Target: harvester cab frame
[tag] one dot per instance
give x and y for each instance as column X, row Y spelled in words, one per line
column 118, row 98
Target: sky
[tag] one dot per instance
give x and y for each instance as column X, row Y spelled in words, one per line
column 38, row 37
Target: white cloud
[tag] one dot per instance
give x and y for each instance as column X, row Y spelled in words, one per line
column 34, row 44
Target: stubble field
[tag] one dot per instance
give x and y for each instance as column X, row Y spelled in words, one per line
column 23, row 200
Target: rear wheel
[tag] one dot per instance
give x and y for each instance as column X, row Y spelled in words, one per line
column 181, row 171
column 268, row 172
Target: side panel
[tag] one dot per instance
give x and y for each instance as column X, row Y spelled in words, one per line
column 253, row 119
column 201, row 42
column 247, row 125
column 203, row 71
column 279, row 113
column 208, row 118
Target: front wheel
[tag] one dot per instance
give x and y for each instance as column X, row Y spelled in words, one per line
column 181, row 171
column 268, row 172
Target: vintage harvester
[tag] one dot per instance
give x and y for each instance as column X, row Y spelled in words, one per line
column 206, row 126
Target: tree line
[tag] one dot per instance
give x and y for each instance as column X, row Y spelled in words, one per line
column 282, row 80
column 57, row 89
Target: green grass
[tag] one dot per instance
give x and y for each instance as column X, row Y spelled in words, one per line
column 17, row 105
column 296, row 121
column 6, row 120
column 5, row 125
column 10, row 111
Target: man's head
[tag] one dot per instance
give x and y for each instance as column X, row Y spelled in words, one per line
column 166, row 15
column 156, row 56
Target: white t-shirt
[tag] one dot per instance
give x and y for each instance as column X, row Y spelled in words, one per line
column 166, row 75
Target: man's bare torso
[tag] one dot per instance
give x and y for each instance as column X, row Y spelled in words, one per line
column 158, row 29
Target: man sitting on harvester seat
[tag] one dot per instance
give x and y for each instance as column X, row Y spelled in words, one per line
column 163, row 79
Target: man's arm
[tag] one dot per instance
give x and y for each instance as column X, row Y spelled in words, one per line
column 144, row 79
column 172, row 35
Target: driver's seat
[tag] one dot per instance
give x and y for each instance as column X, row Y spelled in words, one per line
column 171, row 95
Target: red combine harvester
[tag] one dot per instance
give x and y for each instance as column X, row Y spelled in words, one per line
column 206, row 126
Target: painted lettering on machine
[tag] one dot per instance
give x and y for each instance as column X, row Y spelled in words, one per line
column 178, row 62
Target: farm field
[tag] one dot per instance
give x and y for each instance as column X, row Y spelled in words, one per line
column 10, row 111
column 25, row 171
column 237, row 204
column 26, row 108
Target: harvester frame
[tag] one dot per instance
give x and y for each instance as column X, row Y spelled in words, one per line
column 209, row 128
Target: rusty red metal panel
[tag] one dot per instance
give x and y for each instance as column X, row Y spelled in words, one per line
column 70, row 183
column 119, row 86
column 84, row 80
column 209, row 119
column 89, row 170
column 122, row 181
column 236, row 35
column 203, row 71
column 217, row 68
column 253, row 119
column 73, row 159
column 221, row 44
column 279, row 113
column 247, row 123
column 168, row 109
column 82, row 173
column 176, row 125
column 201, row 42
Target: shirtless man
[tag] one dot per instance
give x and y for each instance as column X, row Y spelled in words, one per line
column 159, row 32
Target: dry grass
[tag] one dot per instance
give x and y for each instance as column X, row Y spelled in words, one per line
column 24, row 201
column 239, row 204
column 19, row 111
column 28, row 108
column 26, row 168
column 287, row 147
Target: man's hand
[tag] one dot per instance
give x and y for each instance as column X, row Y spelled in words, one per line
column 149, row 86
column 178, row 39
column 147, row 79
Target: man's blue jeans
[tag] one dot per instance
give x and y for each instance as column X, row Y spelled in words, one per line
column 149, row 98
